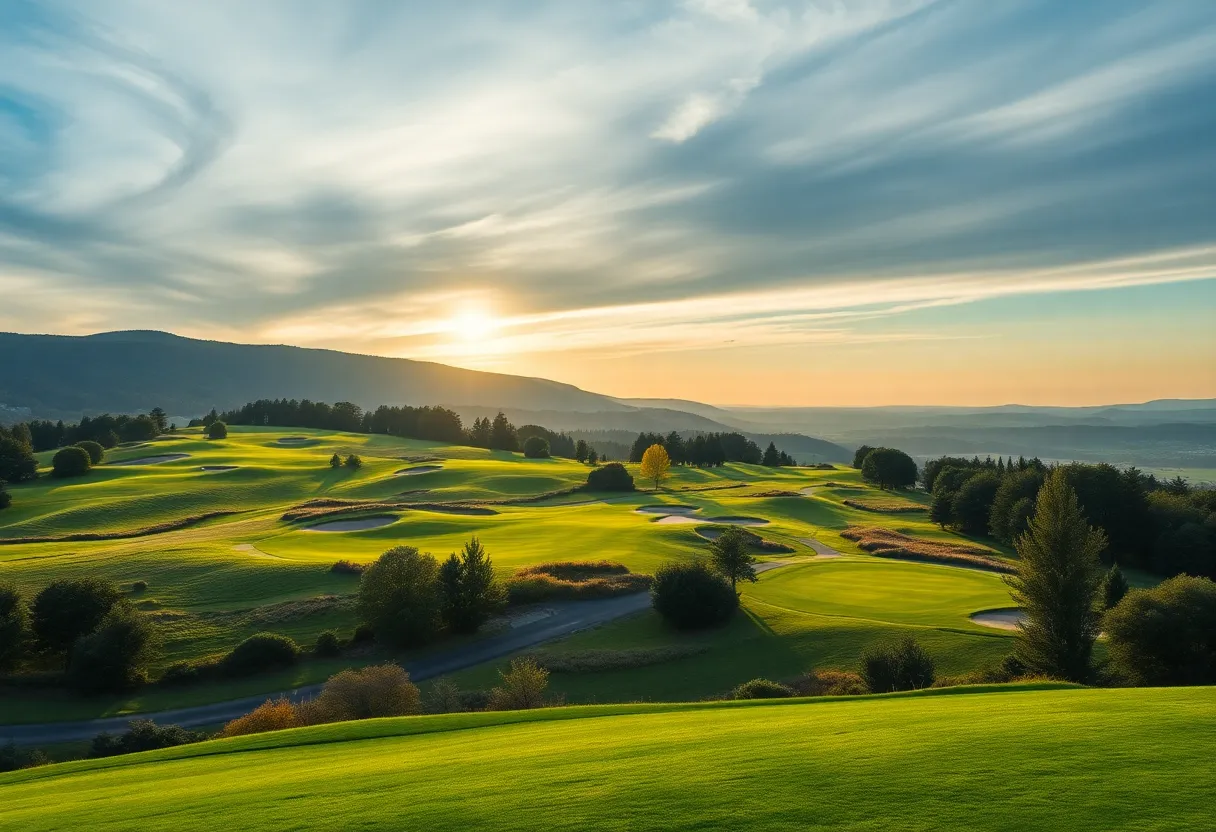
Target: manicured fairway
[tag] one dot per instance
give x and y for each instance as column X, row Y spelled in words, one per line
column 1016, row 759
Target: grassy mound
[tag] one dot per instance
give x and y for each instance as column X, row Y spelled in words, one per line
column 888, row 543
column 980, row 760
column 573, row 581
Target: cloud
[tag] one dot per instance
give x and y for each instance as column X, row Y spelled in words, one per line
column 669, row 176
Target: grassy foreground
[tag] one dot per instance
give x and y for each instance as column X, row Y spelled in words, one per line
column 1008, row 759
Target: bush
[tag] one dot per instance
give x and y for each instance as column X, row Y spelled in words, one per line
column 353, row 462
column 263, row 651
column 347, row 567
column 139, row 586
column 902, row 665
column 143, row 735
column 399, row 597
column 328, row 645
column 368, row 693
column 15, row 758
column 536, row 447
column 762, row 689
column 611, row 477
column 68, row 609
column 474, row 700
column 573, row 581
column 14, row 627
column 523, row 687
column 17, row 461
column 271, row 715
column 114, row 657
column 335, row 461
column 444, row 697
column 1165, row 635
column 217, row 430
column 364, row 634
column 71, row 462
column 182, row 673
column 691, row 596
column 830, row 683
column 93, row 449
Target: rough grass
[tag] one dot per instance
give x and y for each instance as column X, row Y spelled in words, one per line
column 977, row 760
column 160, row 528
column 573, row 581
column 888, row 543
column 885, row 506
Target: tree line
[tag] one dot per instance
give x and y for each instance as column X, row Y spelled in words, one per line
column 709, row 450
column 1167, row 527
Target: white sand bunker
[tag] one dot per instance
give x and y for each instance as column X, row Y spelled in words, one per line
column 665, row 510
column 152, row 460
column 672, row 519
column 355, row 524
column 217, row 467
column 809, row 491
column 417, row 469
column 1002, row 619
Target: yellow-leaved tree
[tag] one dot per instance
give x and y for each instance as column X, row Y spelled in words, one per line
column 656, row 464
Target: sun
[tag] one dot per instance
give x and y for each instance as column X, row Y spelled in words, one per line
column 473, row 325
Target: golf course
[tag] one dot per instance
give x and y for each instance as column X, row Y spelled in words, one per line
column 1039, row 757
column 237, row 536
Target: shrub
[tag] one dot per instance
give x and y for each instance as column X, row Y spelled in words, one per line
column 469, row 593
column 6, row 499
column 335, row 461
column 70, row 462
column 399, row 597
column 902, row 665
column 181, row 673
column 14, row 627
column 68, row 609
column 263, row 651
column 143, row 735
column 611, row 477
column 114, row 657
column 369, row 693
column 139, row 586
column 328, row 645
column 474, row 700
column 1165, row 635
column 93, row 449
column 573, row 580
column 523, row 687
column 444, row 697
column 364, row 634
column 536, row 447
column 271, row 715
column 762, row 689
column 217, row 430
column 15, row 758
column 691, row 596
column 353, row 462
column 17, row 461
column 830, row 683
column 347, row 567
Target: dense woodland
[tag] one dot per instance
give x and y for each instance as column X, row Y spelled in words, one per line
column 709, row 450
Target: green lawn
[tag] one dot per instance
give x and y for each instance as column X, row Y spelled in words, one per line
column 1014, row 759
column 211, row 584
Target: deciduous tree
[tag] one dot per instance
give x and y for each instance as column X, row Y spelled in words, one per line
column 656, row 465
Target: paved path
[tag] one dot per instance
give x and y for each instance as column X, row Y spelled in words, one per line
column 821, row 550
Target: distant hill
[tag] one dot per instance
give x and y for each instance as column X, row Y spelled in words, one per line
column 57, row 376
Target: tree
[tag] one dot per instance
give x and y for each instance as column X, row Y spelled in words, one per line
column 6, row 499
column 1114, row 587
column 502, row 434
column 656, row 464
column 675, row 448
column 941, row 510
column 93, row 449
column 1057, row 584
column 70, row 462
column 730, row 556
column 593, row 459
column 468, row 589
column 1165, row 635
column 159, row 419
column 611, row 477
column 523, row 687
column 116, row 656
column 889, row 468
column 17, row 462
column 1015, row 487
column 335, row 461
column 210, row 417
column 353, row 462
column 691, row 596
column 535, row 447
column 399, row 597
column 67, row 609
column 972, row 505
column 859, row 456
column 217, row 430
column 581, row 450
column 14, row 627
column 772, row 457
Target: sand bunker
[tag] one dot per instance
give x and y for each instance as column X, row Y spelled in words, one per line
column 808, row 491
column 673, row 509
column 671, row 519
column 151, row 460
column 417, row 469
column 1002, row 619
column 217, row 468
column 355, row 524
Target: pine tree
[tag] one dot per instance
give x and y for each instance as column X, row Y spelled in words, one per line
column 772, row 458
column 1057, row 584
column 1114, row 587
column 470, row 593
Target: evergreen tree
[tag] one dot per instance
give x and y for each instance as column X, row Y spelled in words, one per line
column 502, row 434
column 1114, row 587
column 335, row 461
column 772, row 458
column 1057, row 585
column 580, row 450
column 470, row 593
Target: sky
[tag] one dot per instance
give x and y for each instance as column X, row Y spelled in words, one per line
column 798, row 202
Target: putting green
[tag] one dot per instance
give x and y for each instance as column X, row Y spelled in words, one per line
column 1001, row 760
